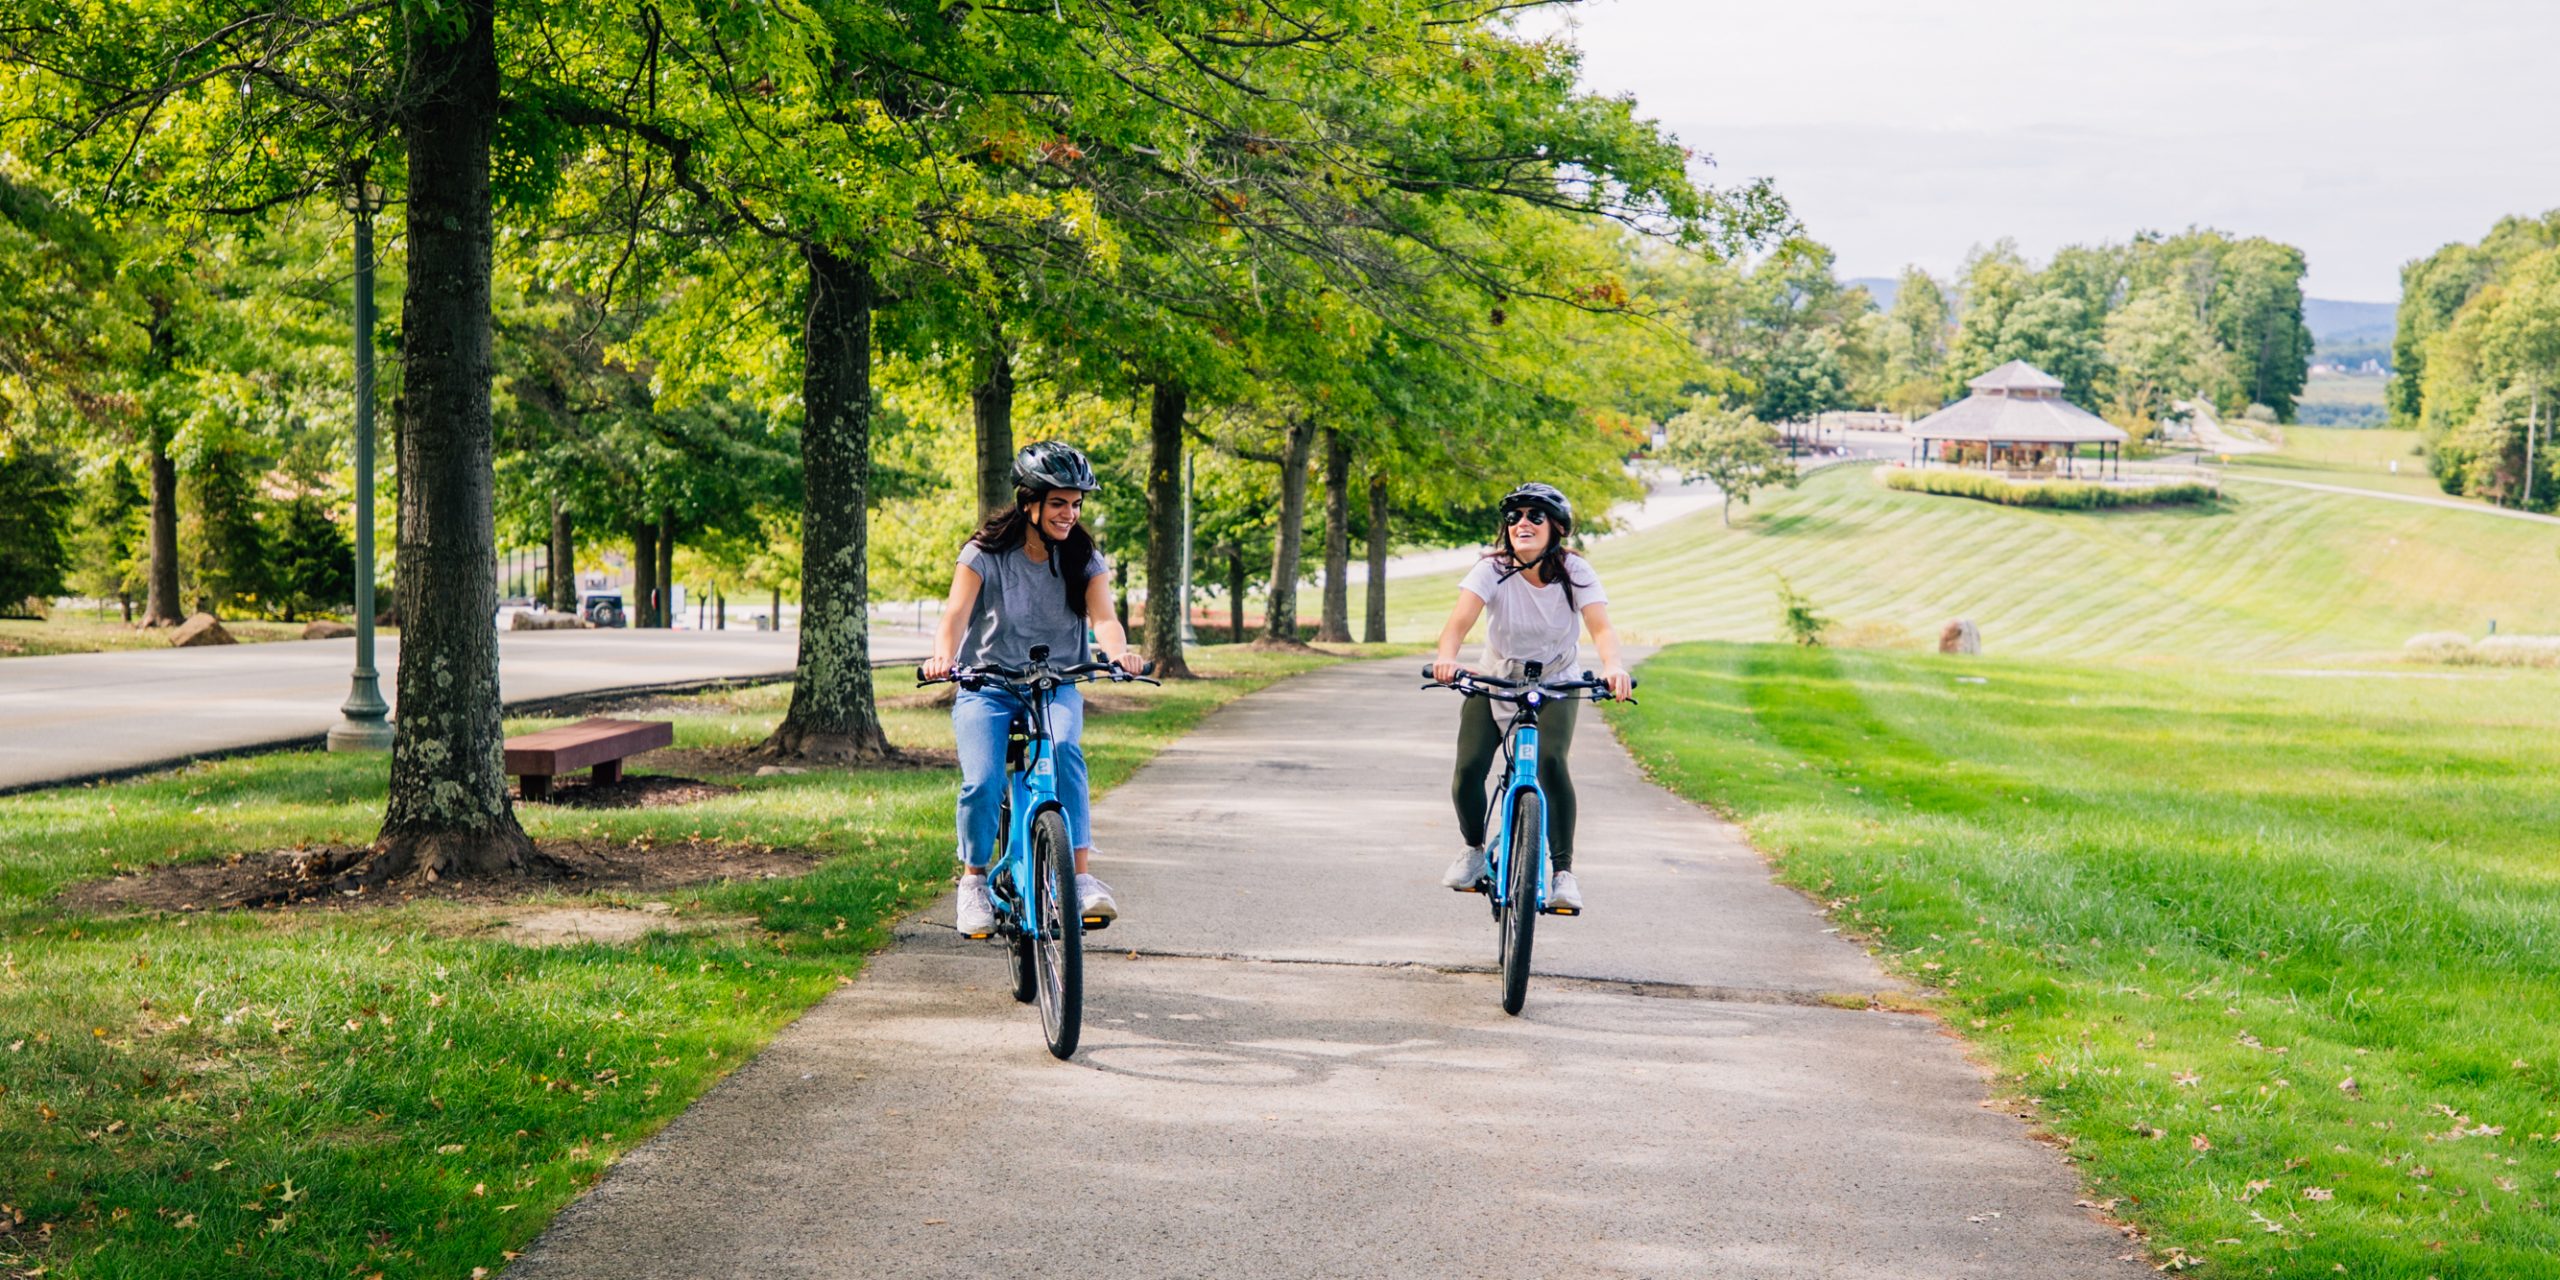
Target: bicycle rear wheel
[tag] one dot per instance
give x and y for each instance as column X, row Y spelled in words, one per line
column 1058, row 953
column 1520, row 912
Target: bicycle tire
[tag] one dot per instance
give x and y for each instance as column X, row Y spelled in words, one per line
column 1058, row 953
column 1520, row 913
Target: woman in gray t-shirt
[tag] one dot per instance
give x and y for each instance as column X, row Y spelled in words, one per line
column 1030, row 575
column 1537, row 598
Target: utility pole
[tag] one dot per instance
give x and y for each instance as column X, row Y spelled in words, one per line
column 365, row 718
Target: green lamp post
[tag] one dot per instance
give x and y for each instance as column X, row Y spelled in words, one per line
column 364, row 723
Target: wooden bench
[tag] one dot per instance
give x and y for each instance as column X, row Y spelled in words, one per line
column 599, row 744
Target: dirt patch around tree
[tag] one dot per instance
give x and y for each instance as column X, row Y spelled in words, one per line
column 328, row 877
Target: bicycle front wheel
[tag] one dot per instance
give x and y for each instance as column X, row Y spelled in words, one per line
column 1520, row 912
column 1058, row 952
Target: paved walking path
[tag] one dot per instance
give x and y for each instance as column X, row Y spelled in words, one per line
column 1296, row 1066
column 82, row 715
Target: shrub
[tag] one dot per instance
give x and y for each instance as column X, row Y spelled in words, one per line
column 1805, row 625
column 2459, row 650
column 2060, row 495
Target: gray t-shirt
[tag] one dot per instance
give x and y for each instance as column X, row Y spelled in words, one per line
column 1525, row 623
column 1020, row 604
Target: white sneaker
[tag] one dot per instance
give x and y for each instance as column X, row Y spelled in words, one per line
column 976, row 917
column 1093, row 897
column 1464, row 873
column 1564, row 891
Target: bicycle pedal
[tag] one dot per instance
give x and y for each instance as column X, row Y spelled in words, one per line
column 1092, row 923
column 1563, row 911
column 979, row 937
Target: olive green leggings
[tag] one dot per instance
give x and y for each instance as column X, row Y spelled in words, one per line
column 1480, row 741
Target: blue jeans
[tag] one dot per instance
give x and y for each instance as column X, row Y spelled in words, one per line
column 978, row 720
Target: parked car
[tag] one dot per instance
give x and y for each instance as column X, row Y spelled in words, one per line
column 602, row 608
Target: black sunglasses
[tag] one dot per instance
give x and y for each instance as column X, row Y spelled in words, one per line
column 1518, row 514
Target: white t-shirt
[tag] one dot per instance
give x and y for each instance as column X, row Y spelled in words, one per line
column 1525, row 623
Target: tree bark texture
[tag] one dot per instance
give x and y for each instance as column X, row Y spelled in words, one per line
column 1167, row 407
column 449, row 813
column 160, row 604
column 1280, row 613
column 991, row 403
column 1235, row 594
column 1373, row 625
column 833, row 715
column 564, row 559
column 666, row 567
column 641, row 609
column 1336, row 624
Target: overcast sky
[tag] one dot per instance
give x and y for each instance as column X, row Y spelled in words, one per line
column 1907, row 131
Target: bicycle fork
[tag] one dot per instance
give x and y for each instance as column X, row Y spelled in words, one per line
column 1521, row 776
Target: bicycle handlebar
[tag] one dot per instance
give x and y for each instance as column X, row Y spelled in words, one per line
column 1476, row 684
column 972, row 677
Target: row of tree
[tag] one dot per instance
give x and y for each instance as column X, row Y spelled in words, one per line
column 2129, row 328
column 786, row 283
column 2476, row 362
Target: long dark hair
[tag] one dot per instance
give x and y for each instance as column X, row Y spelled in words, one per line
column 1070, row 558
column 1552, row 564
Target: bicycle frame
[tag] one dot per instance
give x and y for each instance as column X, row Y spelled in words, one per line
column 1030, row 787
column 1520, row 767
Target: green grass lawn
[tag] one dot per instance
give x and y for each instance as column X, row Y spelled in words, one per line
column 2269, row 573
column 76, row 632
column 2355, row 459
column 397, row 1091
column 2278, row 957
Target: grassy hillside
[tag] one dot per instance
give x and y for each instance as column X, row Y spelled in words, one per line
column 2268, row 574
column 2352, row 457
column 2274, row 955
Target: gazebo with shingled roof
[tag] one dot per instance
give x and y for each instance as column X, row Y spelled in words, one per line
column 2016, row 421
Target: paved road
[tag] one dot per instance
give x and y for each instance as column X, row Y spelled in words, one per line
column 1296, row 1067
column 83, row 715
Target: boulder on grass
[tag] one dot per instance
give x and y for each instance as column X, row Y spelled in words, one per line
column 1960, row 637
column 543, row 620
column 200, row 629
column 326, row 629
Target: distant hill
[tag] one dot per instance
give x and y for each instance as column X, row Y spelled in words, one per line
column 2350, row 333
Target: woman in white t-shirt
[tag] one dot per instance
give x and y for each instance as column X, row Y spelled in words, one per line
column 1538, row 597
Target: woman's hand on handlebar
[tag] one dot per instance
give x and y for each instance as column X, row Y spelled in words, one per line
column 1445, row 670
column 1132, row 661
column 1620, row 683
column 935, row 668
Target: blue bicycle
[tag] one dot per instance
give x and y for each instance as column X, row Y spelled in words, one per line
column 1033, row 878
column 1518, row 873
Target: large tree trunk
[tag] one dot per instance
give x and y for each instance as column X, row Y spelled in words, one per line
column 564, row 559
column 1336, row 626
column 1373, row 627
column 1167, row 408
column 833, row 715
column 1280, row 613
column 991, row 403
column 666, row 567
column 160, row 607
column 449, row 813
column 641, row 609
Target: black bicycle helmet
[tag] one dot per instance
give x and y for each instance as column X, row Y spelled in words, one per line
column 1053, row 464
column 1544, row 497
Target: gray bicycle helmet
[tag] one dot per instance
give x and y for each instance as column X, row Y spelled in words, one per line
column 1544, row 497
column 1053, row 464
